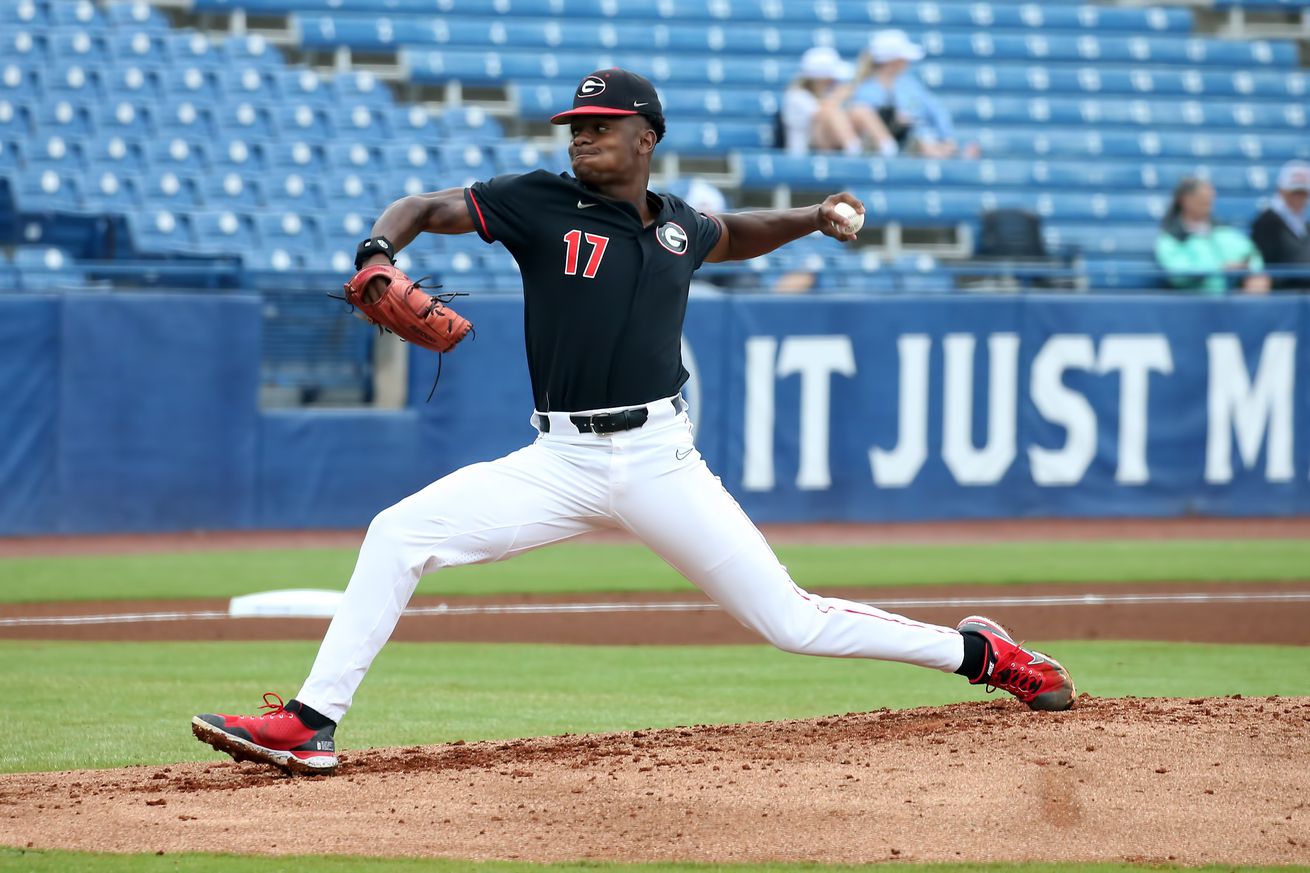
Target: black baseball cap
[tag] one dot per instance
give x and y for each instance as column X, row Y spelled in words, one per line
column 613, row 92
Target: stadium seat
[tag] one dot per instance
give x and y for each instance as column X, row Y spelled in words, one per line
column 222, row 232
column 105, row 191
column 48, row 190
column 156, row 232
column 289, row 231
column 15, row 121
column 244, row 119
column 231, row 191
column 294, row 191
column 114, row 154
column 63, row 118
column 354, row 191
column 123, row 118
column 169, row 191
column 53, row 152
column 295, row 156
column 177, row 155
column 352, row 156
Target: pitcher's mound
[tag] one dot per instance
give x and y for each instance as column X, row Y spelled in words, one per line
column 1192, row 781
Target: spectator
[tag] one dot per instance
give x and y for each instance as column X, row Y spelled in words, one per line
column 1280, row 232
column 888, row 96
column 1199, row 254
column 813, row 115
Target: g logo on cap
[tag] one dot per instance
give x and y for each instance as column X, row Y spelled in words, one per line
column 591, row 86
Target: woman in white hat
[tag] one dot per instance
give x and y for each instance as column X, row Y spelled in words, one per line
column 814, row 115
column 913, row 115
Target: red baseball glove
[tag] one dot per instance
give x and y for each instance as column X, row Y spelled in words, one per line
column 407, row 310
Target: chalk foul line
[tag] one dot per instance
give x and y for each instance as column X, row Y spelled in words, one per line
column 697, row 606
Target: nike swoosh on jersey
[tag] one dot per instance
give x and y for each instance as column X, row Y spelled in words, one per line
column 582, row 205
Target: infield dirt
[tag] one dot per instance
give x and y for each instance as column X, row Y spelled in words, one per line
column 1146, row 780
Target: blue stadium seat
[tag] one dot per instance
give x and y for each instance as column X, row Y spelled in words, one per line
column 354, row 191
column 304, row 121
column 140, row 45
column 80, row 13
column 358, row 119
column 407, row 157
column 235, row 154
column 231, row 191
column 186, row 118
column 245, row 119
column 136, row 14
column 47, row 191
column 192, row 83
column 352, row 156
column 414, row 122
column 25, row 13
column 63, row 117
column 471, row 123
column 463, row 158
column 246, row 83
column 115, row 154
column 222, row 232
column 48, row 268
column 344, row 229
column 177, row 155
column 155, row 232
column 15, row 121
column 516, row 157
column 301, row 86
column 168, row 191
column 189, row 48
column 295, row 156
column 135, row 81
column 53, row 152
column 294, row 191
column 18, row 43
column 123, row 118
column 105, row 191
column 19, row 82
column 253, row 49
column 359, row 87
column 72, row 81
column 75, row 45
column 290, row 231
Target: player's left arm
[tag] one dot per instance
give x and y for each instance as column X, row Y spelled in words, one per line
column 747, row 235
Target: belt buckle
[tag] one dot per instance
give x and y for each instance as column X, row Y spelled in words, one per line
column 603, row 423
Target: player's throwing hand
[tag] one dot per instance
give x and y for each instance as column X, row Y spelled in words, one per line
column 841, row 223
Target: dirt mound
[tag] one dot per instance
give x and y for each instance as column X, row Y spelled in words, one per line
column 1194, row 781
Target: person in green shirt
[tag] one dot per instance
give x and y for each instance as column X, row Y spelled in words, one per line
column 1203, row 256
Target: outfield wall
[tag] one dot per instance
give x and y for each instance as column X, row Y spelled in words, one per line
column 133, row 413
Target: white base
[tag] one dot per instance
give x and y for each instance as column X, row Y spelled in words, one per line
column 289, row 603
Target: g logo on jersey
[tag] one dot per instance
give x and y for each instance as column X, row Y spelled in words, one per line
column 672, row 237
column 591, row 86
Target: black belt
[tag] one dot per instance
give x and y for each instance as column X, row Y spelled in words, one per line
column 606, row 422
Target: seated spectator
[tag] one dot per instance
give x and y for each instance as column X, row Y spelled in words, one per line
column 1280, row 232
column 814, row 116
column 1201, row 255
column 889, row 97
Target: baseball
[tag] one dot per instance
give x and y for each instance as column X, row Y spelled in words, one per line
column 853, row 220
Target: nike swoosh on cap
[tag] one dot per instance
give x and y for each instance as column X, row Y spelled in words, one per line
column 635, row 103
column 582, row 205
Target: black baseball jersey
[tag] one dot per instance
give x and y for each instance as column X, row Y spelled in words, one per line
column 604, row 297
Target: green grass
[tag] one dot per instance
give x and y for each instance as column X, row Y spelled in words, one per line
column 613, row 568
column 75, row 705
column 59, row 862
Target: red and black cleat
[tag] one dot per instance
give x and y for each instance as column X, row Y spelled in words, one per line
column 1036, row 679
column 277, row 737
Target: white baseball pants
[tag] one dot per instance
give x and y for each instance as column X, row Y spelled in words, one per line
column 650, row 481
